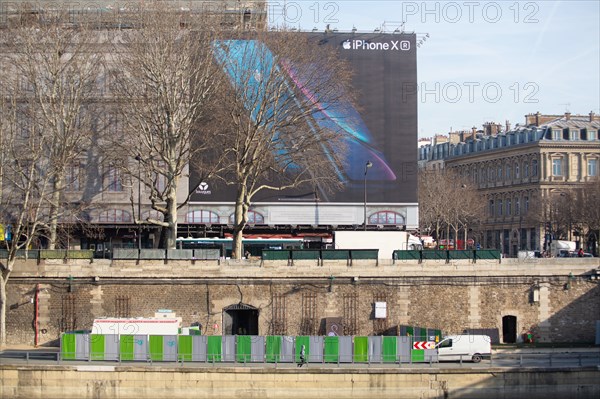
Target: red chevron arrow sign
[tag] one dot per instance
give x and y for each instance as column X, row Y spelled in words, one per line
column 423, row 345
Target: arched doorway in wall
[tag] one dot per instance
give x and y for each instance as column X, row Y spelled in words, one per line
column 509, row 329
column 240, row 319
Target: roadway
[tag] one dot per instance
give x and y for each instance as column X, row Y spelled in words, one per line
column 516, row 358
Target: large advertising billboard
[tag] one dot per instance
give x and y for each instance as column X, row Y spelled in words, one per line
column 381, row 129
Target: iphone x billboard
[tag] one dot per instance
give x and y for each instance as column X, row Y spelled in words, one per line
column 379, row 130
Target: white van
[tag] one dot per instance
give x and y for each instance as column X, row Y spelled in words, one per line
column 465, row 347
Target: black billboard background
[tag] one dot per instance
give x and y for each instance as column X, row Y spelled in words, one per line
column 385, row 78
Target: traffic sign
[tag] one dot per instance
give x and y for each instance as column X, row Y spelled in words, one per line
column 423, row 345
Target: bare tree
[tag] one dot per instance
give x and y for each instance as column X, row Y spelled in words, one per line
column 590, row 214
column 56, row 66
column 164, row 76
column 275, row 132
column 26, row 188
column 448, row 202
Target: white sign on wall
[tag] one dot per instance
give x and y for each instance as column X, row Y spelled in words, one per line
column 380, row 310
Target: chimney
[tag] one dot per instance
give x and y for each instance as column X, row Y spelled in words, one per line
column 537, row 118
column 507, row 125
column 473, row 133
column 592, row 116
column 567, row 115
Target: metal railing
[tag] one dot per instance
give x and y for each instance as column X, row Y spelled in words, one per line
column 511, row 360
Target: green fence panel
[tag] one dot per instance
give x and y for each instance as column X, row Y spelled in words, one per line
column 460, row 254
column 331, row 349
column 184, row 347
column 68, row 347
column 80, row 254
column 53, row 254
column 271, row 254
column 335, row 254
column 302, row 340
column 406, row 255
column 243, row 349
column 358, row 254
column 361, row 349
column 417, row 355
column 305, row 254
column 156, row 347
column 97, row 346
column 273, row 348
column 389, row 349
column 487, row 254
column 435, row 255
column 126, row 347
column 214, row 348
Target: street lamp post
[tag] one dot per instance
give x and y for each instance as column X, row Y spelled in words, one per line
column 367, row 166
column 139, row 221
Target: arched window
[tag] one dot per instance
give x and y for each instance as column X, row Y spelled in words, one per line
column 114, row 216
column 156, row 215
column 201, row 216
column 387, row 217
column 253, row 218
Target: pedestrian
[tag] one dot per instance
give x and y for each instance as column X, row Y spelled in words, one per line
column 302, row 356
column 580, row 253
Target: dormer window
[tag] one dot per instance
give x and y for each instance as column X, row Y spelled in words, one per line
column 592, row 135
column 556, row 134
column 574, row 134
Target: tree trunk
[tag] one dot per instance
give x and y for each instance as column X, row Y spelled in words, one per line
column 54, row 209
column 3, row 281
column 171, row 236
column 241, row 219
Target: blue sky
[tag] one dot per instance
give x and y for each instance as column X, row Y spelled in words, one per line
column 483, row 60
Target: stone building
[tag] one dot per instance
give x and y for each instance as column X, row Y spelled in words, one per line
column 521, row 172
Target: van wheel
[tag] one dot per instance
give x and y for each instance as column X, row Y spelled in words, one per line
column 476, row 358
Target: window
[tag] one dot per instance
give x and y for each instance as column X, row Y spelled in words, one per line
column 556, row 134
column 525, row 204
column 508, row 207
column 386, row 217
column 517, row 206
column 574, row 134
column 202, row 216
column 160, row 182
column 592, row 167
column 500, row 207
column 526, row 169
column 114, row 216
column 499, row 174
column 508, row 171
column 253, row 218
column 73, row 177
column 113, row 179
column 491, row 207
column 534, row 168
column 517, row 171
column 557, row 167
column 592, row 135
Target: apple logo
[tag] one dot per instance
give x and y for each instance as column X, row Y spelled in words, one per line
column 347, row 45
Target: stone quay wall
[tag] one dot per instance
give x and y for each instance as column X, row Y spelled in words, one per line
column 557, row 300
column 126, row 382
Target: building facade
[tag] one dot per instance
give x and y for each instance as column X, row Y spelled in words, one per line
column 521, row 172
